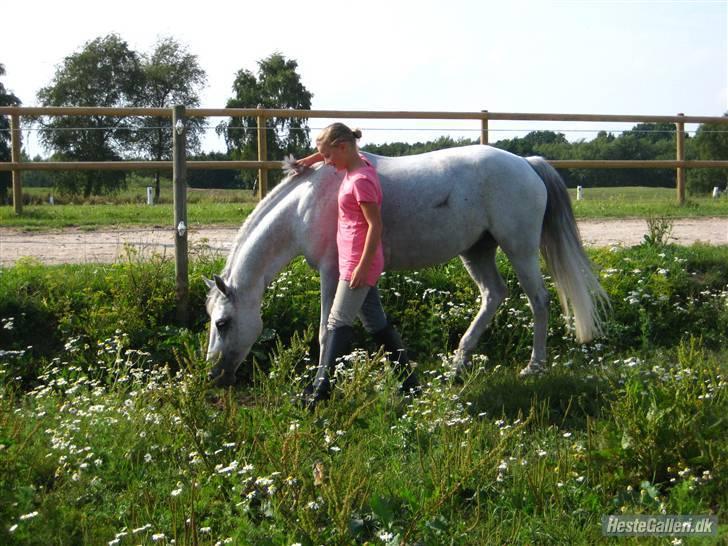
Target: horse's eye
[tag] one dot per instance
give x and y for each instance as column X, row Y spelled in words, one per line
column 221, row 324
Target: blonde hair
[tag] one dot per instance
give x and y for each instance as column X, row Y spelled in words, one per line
column 336, row 133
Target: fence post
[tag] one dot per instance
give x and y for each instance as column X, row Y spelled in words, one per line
column 179, row 181
column 15, row 136
column 484, row 128
column 680, row 156
column 262, row 154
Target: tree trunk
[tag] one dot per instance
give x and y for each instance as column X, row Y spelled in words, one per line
column 156, row 188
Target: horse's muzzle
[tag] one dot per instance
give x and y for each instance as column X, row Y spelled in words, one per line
column 220, row 378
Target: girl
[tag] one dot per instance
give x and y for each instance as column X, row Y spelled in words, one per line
column 361, row 260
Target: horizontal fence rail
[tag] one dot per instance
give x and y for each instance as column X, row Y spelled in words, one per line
column 16, row 166
column 132, row 165
column 270, row 165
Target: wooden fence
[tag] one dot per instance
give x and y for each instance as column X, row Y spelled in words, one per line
column 16, row 165
column 179, row 163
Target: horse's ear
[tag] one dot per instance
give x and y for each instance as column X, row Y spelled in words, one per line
column 209, row 283
column 221, row 286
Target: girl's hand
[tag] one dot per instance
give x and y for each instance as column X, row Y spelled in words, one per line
column 357, row 277
column 309, row 160
column 373, row 216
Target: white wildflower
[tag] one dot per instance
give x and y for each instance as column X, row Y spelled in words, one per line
column 386, row 536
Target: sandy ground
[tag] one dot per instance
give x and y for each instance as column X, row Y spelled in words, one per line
column 109, row 245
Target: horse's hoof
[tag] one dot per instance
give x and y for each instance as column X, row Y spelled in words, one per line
column 533, row 369
column 460, row 368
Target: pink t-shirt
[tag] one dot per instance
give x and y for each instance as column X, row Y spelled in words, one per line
column 359, row 186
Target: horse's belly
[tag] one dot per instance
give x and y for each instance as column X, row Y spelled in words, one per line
column 421, row 242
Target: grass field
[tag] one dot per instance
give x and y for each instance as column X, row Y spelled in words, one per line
column 109, row 433
column 643, row 202
column 229, row 207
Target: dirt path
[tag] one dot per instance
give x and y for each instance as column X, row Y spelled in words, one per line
column 107, row 245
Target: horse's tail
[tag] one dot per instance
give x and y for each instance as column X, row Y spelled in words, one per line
column 576, row 284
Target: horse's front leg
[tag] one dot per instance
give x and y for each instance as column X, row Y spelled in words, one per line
column 329, row 279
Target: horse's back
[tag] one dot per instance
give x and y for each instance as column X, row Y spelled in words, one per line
column 439, row 204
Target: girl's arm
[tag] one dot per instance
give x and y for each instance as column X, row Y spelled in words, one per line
column 307, row 161
column 373, row 216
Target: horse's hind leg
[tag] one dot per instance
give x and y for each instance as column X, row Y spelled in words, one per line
column 527, row 268
column 479, row 260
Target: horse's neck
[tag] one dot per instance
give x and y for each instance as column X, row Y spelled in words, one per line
column 267, row 249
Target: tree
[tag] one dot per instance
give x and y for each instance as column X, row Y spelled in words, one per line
column 6, row 99
column 710, row 142
column 106, row 72
column 171, row 76
column 213, row 178
column 277, row 85
column 405, row 148
column 534, row 143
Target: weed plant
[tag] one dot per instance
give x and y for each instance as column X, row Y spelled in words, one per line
column 110, row 433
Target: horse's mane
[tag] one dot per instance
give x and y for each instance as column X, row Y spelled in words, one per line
column 292, row 180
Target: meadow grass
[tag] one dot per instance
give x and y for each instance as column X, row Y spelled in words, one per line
column 99, row 216
column 110, row 434
column 230, row 207
column 640, row 202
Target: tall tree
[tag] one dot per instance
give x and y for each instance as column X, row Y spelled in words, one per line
column 277, row 85
column 172, row 76
column 710, row 142
column 6, row 99
column 105, row 72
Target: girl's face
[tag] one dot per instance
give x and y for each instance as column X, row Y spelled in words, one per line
column 335, row 155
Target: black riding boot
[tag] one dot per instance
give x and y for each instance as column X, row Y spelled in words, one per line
column 389, row 337
column 338, row 344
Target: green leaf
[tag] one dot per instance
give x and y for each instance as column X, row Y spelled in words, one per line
column 383, row 508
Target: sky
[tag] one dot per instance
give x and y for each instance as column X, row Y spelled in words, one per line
column 652, row 57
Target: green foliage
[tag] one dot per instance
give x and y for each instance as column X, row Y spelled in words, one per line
column 106, row 72
column 404, row 148
column 645, row 141
column 7, row 98
column 171, row 76
column 277, row 85
column 659, row 230
column 214, row 178
column 711, row 142
column 109, row 430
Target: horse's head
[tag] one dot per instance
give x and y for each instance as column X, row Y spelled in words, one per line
column 235, row 324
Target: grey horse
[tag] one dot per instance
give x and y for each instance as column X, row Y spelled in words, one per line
column 462, row 202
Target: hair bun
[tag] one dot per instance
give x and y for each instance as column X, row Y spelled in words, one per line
column 356, row 133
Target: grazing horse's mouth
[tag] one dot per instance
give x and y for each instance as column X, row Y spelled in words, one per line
column 221, row 378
